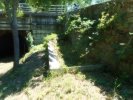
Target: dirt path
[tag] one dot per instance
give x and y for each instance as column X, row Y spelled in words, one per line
column 5, row 67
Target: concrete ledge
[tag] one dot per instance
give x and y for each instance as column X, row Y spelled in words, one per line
column 88, row 68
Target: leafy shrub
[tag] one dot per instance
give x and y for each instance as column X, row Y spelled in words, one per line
column 81, row 35
column 29, row 40
column 20, row 13
column 78, row 25
column 61, row 19
column 106, row 20
column 78, row 30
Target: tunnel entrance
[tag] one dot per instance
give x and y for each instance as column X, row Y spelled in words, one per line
column 6, row 44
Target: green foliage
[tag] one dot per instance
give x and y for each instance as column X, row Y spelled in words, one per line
column 29, row 40
column 114, row 25
column 1, row 5
column 20, row 13
column 78, row 25
column 61, row 19
column 116, row 43
column 33, row 50
column 105, row 40
column 37, row 48
column 79, row 32
column 52, row 36
column 105, row 21
column 43, row 3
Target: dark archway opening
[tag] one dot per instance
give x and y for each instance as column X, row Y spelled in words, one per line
column 6, row 44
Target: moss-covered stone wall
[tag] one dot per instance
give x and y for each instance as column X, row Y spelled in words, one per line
column 124, row 7
column 115, row 47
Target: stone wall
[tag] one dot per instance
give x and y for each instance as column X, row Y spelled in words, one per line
column 105, row 50
column 125, row 7
column 41, row 26
column 129, row 9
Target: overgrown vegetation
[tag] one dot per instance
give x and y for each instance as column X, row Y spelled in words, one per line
column 37, row 48
column 29, row 40
column 84, row 42
column 49, row 37
column 103, row 40
column 33, row 50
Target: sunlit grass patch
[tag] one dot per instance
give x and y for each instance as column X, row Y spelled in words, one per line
column 66, row 87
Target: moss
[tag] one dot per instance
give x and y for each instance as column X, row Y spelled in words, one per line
column 52, row 36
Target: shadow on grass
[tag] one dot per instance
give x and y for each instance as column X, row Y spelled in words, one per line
column 70, row 56
column 17, row 79
column 76, row 55
column 112, row 86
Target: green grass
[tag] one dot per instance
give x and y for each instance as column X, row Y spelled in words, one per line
column 31, row 81
column 49, row 37
column 68, row 86
column 72, row 87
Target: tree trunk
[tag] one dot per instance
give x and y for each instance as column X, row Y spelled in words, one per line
column 11, row 11
column 15, row 35
column 14, row 28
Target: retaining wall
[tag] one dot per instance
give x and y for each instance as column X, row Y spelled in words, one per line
column 106, row 50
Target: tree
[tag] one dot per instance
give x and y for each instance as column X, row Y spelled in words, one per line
column 42, row 3
column 11, row 12
column 1, row 6
column 11, row 7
